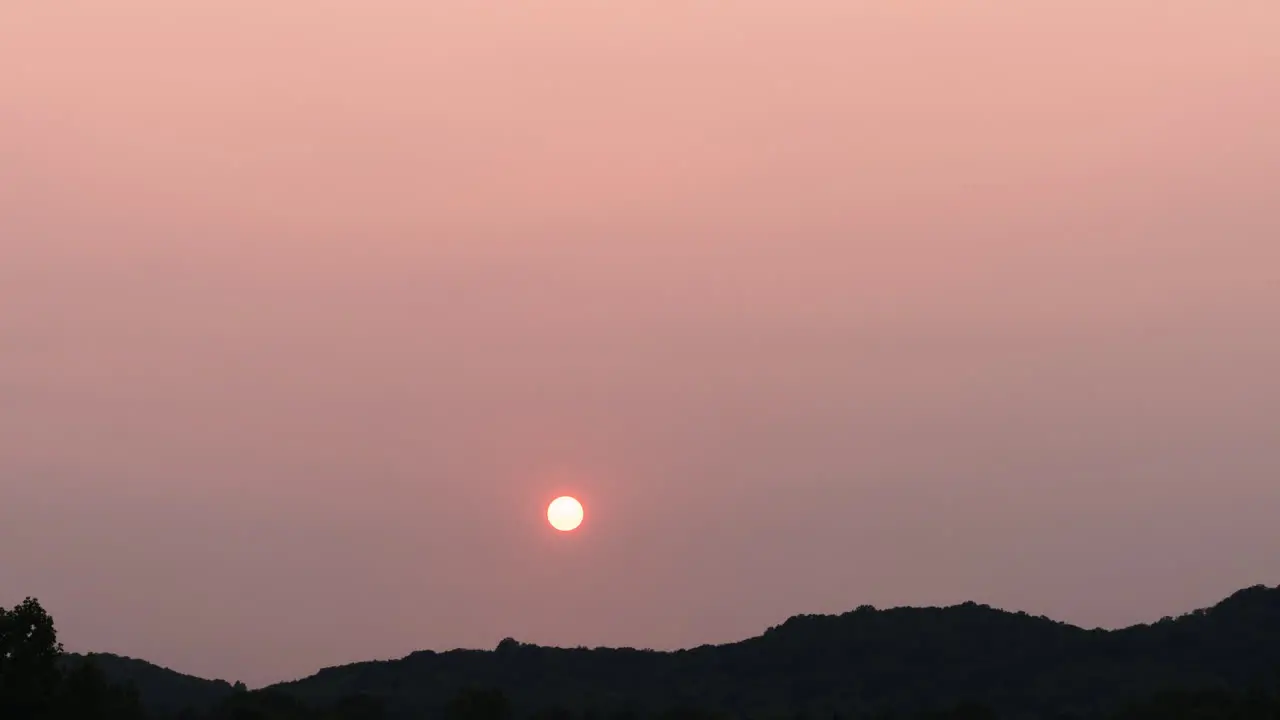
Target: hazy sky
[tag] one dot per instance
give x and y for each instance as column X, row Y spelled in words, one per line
column 307, row 309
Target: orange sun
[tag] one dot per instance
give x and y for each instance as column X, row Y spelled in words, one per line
column 565, row 514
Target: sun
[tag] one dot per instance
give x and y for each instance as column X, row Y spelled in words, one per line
column 565, row 514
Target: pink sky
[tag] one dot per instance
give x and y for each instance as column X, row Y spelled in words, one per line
column 307, row 309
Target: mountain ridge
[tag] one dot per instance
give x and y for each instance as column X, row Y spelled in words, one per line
column 863, row 660
column 162, row 690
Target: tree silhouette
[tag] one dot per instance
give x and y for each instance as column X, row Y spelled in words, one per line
column 29, row 652
column 36, row 684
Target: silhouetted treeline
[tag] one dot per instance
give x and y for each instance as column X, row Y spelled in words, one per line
column 35, row 683
column 864, row 662
column 968, row 662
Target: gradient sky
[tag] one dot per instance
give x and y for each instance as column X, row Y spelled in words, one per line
column 307, row 309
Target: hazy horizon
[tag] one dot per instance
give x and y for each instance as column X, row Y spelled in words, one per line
column 308, row 309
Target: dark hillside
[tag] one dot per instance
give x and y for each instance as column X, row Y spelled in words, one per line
column 904, row 659
column 967, row 661
column 161, row 690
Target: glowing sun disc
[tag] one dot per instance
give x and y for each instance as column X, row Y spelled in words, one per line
column 565, row 514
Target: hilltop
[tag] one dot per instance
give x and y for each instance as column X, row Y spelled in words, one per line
column 903, row 659
column 163, row 691
column 863, row 661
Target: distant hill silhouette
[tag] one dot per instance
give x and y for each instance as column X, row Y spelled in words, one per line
column 162, row 691
column 905, row 659
column 849, row 666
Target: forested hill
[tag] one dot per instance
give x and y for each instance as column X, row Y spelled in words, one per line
column 861, row 661
column 163, row 691
column 850, row 666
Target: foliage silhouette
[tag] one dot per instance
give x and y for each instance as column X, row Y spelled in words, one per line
column 967, row 662
column 29, row 652
column 37, row 683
